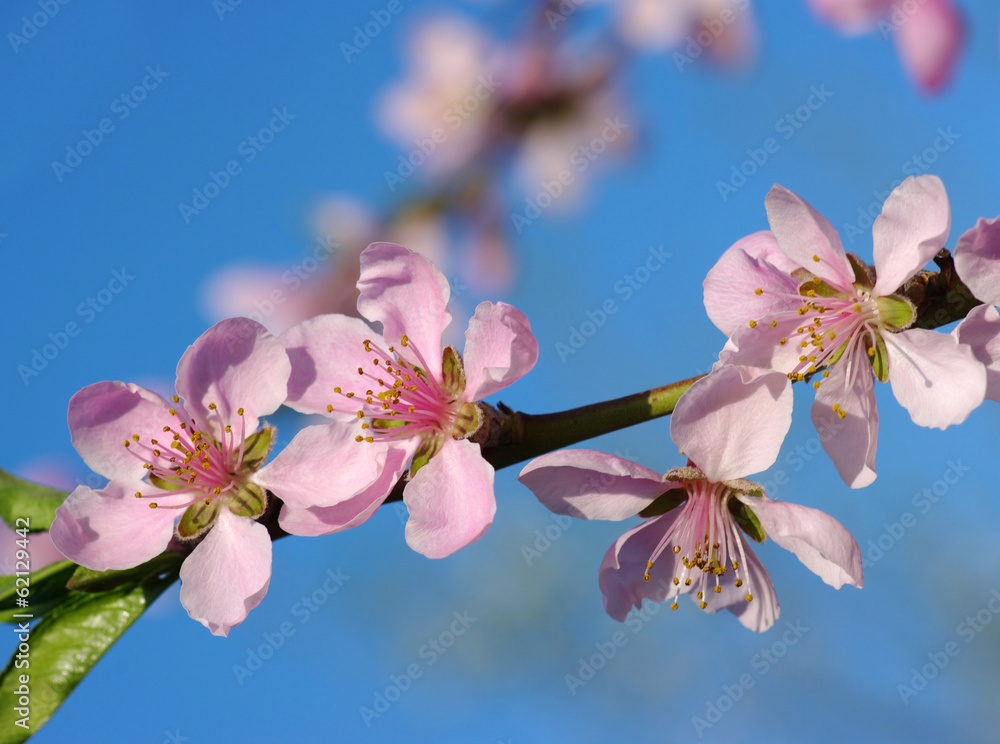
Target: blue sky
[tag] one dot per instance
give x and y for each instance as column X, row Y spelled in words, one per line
column 105, row 246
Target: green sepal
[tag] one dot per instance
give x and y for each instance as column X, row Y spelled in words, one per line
column 166, row 485
column 429, row 446
column 46, row 589
column 257, row 447
column 198, row 518
column 665, row 502
column 820, row 288
column 388, row 423
column 68, row 642
column 452, row 371
column 880, row 360
column 24, row 500
column 87, row 580
column 249, row 500
column 467, row 421
column 895, row 313
column 747, row 520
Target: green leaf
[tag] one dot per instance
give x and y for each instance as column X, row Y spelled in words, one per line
column 26, row 504
column 747, row 520
column 665, row 502
column 896, row 313
column 67, row 643
column 452, row 371
column 46, row 589
column 257, row 447
column 87, row 580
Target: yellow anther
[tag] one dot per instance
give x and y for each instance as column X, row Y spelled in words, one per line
column 753, row 323
column 718, row 589
column 816, row 384
column 212, row 406
column 759, row 291
column 152, row 504
column 359, row 438
column 857, row 308
column 337, row 390
column 239, row 411
column 842, row 414
column 349, row 395
column 369, row 439
column 749, row 597
column 831, row 335
column 816, row 258
column 774, row 324
column 677, row 549
column 687, row 582
column 127, row 443
column 871, row 351
column 360, row 371
column 803, row 358
column 404, row 340
column 368, row 345
column 175, row 399
column 739, row 583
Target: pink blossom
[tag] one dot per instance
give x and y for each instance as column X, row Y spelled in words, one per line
column 402, row 402
column 793, row 301
column 928, row 33
column 977, row 261
column 195, row 458
column 728, row 424
column 725, row 29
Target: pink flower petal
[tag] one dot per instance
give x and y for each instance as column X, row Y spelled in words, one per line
column 450, row 500
column 761, row 345
column 938, row 380
column 807, row 237
column 822, row 543
column 622, row 571
column 912, row 228
column 326, row 352
column 851, row 442
column 592, row 485
column 404, row 292
column 731, row 298
column 111, row 528
column 227, row 575
column 763, row 246
column 977, row 260
column 980, row 331
column 499, row 349
column 324, row 520
column 929, row 40
column 235, row 364
column 103, row 415
column 324, row 465
column 731, row 424
column 760, row 614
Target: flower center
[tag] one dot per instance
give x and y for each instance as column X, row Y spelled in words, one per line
column 193, row 471
column 707, row 540
column 401, row 399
